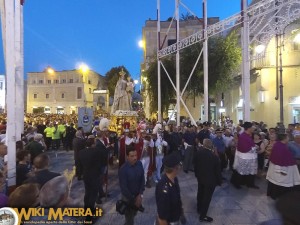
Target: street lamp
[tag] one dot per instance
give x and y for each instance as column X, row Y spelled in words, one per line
column 141, row 44
column 50, row 70
column 260, row 49
column 84, row 68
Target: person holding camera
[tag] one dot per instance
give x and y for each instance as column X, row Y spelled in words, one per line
column 132, row 184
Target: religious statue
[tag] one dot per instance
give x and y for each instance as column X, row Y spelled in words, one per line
column 130, row 90
column 121, row 98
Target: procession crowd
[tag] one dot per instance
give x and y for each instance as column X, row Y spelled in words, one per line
column 152, row 153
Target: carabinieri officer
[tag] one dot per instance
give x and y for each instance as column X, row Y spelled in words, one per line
column 167, row 193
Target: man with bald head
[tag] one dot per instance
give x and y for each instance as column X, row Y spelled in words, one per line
column 78, row 144
column 208, row 174
column 41, row 172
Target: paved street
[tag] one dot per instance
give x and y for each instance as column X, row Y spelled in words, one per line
column 228, row 207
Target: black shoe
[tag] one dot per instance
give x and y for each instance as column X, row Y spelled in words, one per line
column 253, row 186
column 182, row 219
column 104, row 196
column 206, row 219
column 99, row 201
column 237, row 186
column 186, row 171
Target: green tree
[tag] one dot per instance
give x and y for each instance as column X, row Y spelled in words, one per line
column 224, row 57
column 224, row 60
column 112, row 77
column 167, row 89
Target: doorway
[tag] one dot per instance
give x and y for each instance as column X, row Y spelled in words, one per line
column 296, row 114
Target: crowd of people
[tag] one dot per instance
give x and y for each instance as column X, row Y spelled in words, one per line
column 153, row 154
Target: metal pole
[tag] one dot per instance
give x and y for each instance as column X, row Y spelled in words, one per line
column 246, row 62
column 177, row 65
column 19, row 69
column 159, row 116
column 205, row 61
column 11, row 90
column 281, row 81
column 277, row 46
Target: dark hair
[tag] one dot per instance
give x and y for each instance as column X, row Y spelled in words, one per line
column 19, row 145
column 21, row 154
column 281, row 136
column 256, row 133
column 41, row 161
column 129, row 148
column 90, row 142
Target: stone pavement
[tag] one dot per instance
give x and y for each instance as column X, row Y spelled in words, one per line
column 229, row 206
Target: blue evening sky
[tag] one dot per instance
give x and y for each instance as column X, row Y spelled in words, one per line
column 102, row 34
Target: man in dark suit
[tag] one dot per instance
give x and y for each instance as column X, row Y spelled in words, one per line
column 78, row 144
column 41, row 174
column 90, row 162
column 104, row 155
column 208, row 173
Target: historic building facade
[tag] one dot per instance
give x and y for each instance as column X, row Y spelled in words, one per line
column 265, row 82
column 62, row 91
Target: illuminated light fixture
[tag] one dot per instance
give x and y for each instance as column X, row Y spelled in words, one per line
column 261, row 96
column 297, row 38
column 294, row 100
column 84, row 68
column 222, row 110
column 260, row 49
column 100, row 91
column 50, row 70
column 141, row 43
column 240, row 104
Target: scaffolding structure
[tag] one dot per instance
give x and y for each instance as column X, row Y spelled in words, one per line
column 259, row 23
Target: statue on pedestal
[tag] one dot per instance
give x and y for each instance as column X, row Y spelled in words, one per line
column 130, row 90
column 121, row 98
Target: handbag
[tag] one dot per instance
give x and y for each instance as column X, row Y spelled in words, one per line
column 121, row 206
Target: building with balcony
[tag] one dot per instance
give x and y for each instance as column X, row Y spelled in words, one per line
column 62, row 92
column 265, row 81
column 2, row 93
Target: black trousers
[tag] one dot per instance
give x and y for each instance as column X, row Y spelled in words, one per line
column 91, row 185
column 223, row 160
column 230, row 157
column 48, row 142
column 78, row 168
column 101, row 192
column 238, row 179
column 204, row 196
column 130, row 212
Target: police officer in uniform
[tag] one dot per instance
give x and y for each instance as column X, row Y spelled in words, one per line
column 167, row 193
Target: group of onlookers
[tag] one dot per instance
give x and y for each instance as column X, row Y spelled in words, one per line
column 249, row 149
